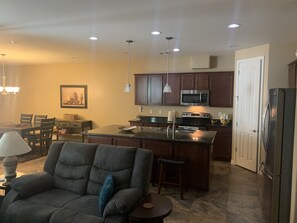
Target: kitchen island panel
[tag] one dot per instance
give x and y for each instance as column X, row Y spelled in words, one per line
column 199, row 163
column 100, row 139
column 159, row 149
column 123, row 141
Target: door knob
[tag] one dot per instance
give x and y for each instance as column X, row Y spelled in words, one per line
column 254, row 130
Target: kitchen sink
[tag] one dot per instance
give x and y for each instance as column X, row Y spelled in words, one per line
column 177, row 130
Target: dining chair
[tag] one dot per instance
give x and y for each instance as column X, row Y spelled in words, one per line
column 38, row 118
column 26, row 118
column 42, row 139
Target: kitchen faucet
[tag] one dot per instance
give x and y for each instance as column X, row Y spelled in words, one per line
column 173, row 127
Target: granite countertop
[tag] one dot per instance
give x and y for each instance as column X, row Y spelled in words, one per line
column 140, row 132
column 163, row 120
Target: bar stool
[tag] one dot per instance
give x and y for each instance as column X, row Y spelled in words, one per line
column 164, row 164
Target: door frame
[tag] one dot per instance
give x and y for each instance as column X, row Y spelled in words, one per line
column 234, row 132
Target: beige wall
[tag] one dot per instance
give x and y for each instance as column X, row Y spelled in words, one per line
column 107, row 103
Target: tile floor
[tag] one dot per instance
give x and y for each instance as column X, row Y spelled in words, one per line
column 233, row 198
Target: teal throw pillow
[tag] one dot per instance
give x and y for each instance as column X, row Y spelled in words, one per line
column 106, row 193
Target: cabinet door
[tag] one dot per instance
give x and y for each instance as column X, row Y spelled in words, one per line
column 221, row 89
column 292, row 75
column 141, row 90
column 155, row 89
column 222, row 145
column 187, row 81
column 173, row 98
column 201, row 81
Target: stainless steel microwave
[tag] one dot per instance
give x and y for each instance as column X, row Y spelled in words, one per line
column 194, row 97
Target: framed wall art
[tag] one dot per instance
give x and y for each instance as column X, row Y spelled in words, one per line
column 74, row 96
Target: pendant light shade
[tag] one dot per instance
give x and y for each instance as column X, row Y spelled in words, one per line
column 167, row 88
column 4, row 90
column 128, row 85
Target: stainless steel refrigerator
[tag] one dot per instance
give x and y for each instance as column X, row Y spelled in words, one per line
column 278, row 140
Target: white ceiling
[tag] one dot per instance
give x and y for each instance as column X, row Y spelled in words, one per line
column 57, row 31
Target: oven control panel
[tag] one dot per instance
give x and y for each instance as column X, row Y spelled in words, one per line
column 195, row 115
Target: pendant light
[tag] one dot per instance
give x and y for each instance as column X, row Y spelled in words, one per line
column 128, row 85
column 4, row 90
column 167, row 88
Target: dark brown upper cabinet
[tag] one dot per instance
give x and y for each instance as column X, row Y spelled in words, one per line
column 202, row 81
column 155, row 89
column 221, row 89
column 194, row 81
column 141, row 90
column 148, row 89
column 173, row 98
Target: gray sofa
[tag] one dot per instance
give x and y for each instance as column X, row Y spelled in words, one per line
column 68, row 189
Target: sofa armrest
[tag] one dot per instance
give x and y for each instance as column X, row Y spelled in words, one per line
column 123, row 201
column 31, row 184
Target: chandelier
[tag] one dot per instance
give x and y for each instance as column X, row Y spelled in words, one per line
column 5, row 90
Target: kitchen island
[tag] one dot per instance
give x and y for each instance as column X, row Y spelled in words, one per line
column 194, row 147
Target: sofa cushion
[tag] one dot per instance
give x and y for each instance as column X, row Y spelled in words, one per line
column 54, row 198
column 87, row 204
column 71, row 216
column 115, row 160
column 73, row 167
column 106, row 193
column 29, row 212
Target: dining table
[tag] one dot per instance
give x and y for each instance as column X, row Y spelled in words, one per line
column 21, row 128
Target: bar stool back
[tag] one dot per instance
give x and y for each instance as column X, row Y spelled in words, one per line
column 164, row 164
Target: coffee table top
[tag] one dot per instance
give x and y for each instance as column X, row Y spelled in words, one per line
column 162, row 207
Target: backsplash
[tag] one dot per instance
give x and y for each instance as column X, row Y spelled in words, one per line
column 162, row 111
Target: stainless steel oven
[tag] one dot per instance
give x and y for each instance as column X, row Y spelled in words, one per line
column 194, row 97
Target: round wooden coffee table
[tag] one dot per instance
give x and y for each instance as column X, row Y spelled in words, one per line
column 154, row 208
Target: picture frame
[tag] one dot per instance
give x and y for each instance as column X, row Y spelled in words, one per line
column 74, row 96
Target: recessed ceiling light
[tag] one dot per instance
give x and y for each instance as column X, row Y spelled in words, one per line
column 233, row 26
column 176, row 50
column 93, row 38
column 155, row 33
column 12, row 42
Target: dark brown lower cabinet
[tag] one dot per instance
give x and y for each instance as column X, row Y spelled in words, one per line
column 222, row 145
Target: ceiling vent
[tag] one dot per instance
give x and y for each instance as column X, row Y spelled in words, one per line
column 203, row 62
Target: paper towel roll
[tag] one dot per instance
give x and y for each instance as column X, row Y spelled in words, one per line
column 169, row 117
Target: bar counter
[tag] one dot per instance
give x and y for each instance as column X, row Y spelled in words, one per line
column 195, row 148
column 157, row 133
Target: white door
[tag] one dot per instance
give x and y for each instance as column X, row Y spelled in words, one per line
column 247, row 120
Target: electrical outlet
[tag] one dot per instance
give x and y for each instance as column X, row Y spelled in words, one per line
column 150, row 111
column 219, row 114
column 160, row 112
column 140, row 109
